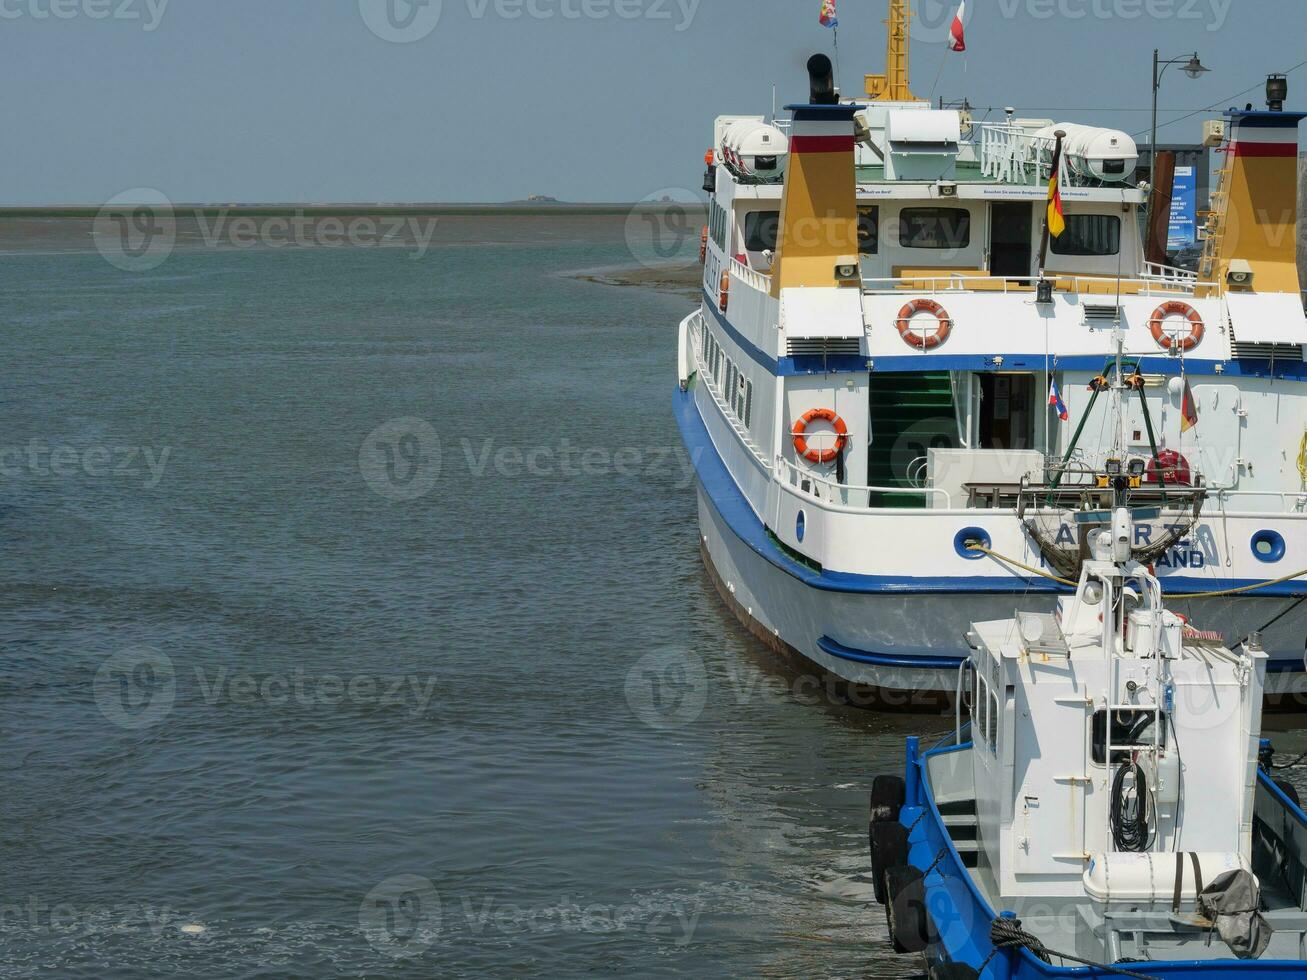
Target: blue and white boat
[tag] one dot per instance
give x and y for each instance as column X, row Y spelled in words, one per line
column 1102, row 810
column 871, row 385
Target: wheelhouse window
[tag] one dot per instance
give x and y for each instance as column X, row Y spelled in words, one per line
column 1089, row 234
column 939, row 228
column 868, row 230
column 760, row 230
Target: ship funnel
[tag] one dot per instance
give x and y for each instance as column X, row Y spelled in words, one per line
column 821, row 81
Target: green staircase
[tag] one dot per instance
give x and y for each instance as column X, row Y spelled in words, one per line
column 910, row 413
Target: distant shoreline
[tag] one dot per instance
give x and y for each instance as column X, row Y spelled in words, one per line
column 528, row 209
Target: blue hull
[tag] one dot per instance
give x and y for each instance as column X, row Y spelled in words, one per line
column 962, row 917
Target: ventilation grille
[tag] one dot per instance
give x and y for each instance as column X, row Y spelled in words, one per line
column 1101, row 313
column 1267, row 352
column 850, row 346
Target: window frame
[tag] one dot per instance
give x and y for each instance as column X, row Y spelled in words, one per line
column 939, row 209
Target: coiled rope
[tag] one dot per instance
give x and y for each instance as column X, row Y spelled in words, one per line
column 1186, row 595
column 1007, row 933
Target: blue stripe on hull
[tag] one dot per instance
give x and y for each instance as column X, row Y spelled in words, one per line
column 730, row 503
column 837, row 649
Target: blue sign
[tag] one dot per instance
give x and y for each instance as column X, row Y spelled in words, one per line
column 1182, row 232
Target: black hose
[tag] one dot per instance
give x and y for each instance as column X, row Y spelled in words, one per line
column 1131, row 810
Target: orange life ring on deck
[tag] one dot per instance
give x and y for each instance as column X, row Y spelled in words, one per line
column 726, row 291
column 919, row 340
column 800, row 434
column 703, row 246
column 1197, row 329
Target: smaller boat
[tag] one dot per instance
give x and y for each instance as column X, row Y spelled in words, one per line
column 1105, row 806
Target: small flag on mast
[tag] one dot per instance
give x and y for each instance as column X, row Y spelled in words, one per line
column 957, row 38
column 1056, row 216
column 1188, row 409
column 828, row 18
column 1055, row 401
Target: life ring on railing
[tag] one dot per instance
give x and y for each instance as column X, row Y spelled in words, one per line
column 1197, row 329
column 703, row 246
column 923, row 341
column 726, row 291
column 800, row 433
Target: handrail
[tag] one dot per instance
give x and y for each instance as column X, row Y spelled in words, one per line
column 709, row 381
column 956, row 282
column 796, row 476
column 750, row 277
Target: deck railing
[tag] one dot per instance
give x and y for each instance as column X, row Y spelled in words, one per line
column 757, row 280
column 841, row 496
column 1147, row 285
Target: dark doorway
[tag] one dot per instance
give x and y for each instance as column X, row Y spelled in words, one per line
column 1007, row 411
column 1010, row 246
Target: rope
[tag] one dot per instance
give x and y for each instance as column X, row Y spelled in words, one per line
column 1008, row 934
column 1016, row 564
column 1187, row 595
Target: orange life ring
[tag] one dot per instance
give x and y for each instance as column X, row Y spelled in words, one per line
column 703, row 246
column 919, row 340
column 800, row 434
column 1197, row 329
column 726, row 291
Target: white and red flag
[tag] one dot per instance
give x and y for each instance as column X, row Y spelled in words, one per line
column 957, row 38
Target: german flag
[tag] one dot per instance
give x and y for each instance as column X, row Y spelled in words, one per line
column 1188, row 409
column 1056, row 216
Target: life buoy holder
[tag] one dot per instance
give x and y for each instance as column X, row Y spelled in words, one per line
column 703, row 246
column 800, row 433
column 1171, row 342
column 725, row 299
column 923, row 341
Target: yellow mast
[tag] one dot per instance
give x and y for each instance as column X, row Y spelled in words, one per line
column 893, row 85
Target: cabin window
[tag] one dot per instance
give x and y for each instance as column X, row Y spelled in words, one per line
column 710, row 354
column 1131, row 728
column 760, row 229
column 939, row 228
column 868, row 230
column 1089, row 234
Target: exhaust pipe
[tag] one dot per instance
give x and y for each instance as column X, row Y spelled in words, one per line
column 821, row 81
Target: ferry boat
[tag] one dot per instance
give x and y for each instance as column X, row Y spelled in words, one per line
column 890, row 388
column 1106, row 809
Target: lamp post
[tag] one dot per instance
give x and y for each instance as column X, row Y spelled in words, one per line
column 1194, row 69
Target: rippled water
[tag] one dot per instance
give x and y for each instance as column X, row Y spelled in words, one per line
column 337, row 598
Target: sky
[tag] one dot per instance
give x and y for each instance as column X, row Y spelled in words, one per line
column 582, row 100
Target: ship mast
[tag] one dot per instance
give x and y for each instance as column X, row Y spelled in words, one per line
column 893, row 85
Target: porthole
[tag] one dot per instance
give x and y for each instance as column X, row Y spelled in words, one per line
column 800, row 525
column 1268, row 546
column 969, row 536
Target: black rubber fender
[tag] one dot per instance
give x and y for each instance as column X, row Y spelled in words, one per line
column 1288, row 790
column 888, row 794
column 906, row 914
column 889, row 849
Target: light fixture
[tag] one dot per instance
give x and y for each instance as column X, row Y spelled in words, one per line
column 1044, row 292
column 1195, row 68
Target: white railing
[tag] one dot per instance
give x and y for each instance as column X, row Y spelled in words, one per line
column 1144, row 286
column 1013, row 156
column 749, row 277
column 1169, row 273
column 840, row 496
column 710, row 383
column 1290, row 502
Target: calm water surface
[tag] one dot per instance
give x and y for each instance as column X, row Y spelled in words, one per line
column 337, row 595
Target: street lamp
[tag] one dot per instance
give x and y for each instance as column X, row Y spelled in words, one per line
column 1194, row 69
